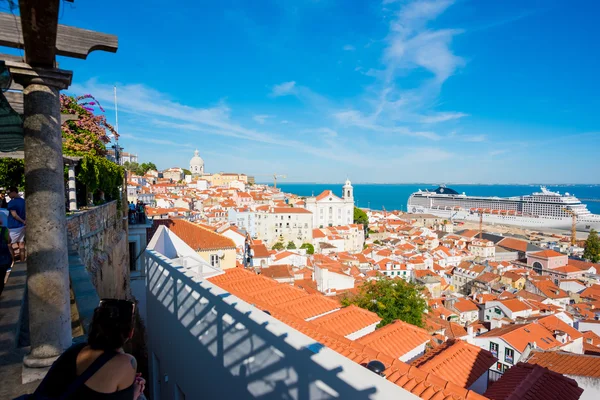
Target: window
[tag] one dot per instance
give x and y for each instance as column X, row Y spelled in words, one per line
column 509, row 355
column 494, row 349
column 501, row 367
column 215, row 261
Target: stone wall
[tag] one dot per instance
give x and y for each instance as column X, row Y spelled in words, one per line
column 99, row 238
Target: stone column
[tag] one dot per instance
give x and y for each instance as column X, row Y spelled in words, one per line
column 72, row 189
column 46, row 232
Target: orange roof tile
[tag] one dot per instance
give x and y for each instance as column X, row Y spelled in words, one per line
column 520, row 335
column 553, row 323
column 547, row 254
column 197, row 237
column 515, row 305
column 277, row 271
column 290, row 210
column 567, row 363
column 456, row 361
column 396, row 339
column 279, row 294
column 348, row 320
column 513, row 244
column 310, row 306
column 465, row 305
column 532, row 382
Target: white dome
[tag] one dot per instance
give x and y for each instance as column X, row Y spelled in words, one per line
column 196, row 160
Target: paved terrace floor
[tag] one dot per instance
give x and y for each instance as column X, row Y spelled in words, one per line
column 13, row 315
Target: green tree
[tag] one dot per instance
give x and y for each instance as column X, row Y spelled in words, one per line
column 291, row 245
column 12, row 173
column 591, row 250
column 310, row 249
column 376, row 242
column 186, row 171
column 360, row 217
column 391, row 300
column 145, row 167
column 278, row 246
column 131, row 166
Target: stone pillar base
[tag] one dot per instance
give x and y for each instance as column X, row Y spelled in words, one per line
column 29, row 375
column 35, row 362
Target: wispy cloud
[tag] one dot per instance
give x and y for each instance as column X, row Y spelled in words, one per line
column 284, row 89
column 262, row 118
column 357, row 119
column 442, row 117
column 144, row 139
column 497, row 152
column 467, row 138
column 349, row 47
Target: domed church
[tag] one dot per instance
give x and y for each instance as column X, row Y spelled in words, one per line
column 197, row 164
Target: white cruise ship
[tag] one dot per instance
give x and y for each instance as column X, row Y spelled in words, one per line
column 545, row 209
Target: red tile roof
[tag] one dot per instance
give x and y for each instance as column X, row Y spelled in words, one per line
column 513, row 244
column 290, row 210
column 465, row 305
column 279, row 294
column 520, row 335
column 195, row 236
column 567, row 363
column 547, row 254
column 310, row 306
column 532, row 382
column 396, row 339
column 278, row 271
column 348, row 320
column 456, row 361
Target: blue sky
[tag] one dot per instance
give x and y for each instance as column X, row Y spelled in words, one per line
column 379, row 91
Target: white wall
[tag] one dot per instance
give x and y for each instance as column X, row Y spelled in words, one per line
column 364, row 331
column 414, row 353
column 484, row 343
column 590, row 386
column 327, row 280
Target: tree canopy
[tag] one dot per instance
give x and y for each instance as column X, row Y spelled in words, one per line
column 310, row 249
column 278, row 246
column 591, row 250
column 360, row 217
column 291, row 245
column 391, row 300
column 139, row 169
column 12, row 173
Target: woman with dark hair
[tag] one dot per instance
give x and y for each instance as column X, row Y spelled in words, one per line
column 98, row 369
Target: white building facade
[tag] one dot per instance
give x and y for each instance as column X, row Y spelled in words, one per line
column 331, row 210
column 284, row 224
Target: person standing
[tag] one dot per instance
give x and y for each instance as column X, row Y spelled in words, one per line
column 6, row 255
column 16, row 220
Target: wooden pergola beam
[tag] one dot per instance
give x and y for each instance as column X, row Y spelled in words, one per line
column 39, row 23
column 70, row 41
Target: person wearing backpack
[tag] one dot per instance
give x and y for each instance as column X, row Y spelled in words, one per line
column 98, row 369
column 7, row 255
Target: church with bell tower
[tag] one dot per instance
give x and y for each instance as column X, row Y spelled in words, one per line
column 331, row 210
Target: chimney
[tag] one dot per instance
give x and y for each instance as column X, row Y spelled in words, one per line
column 470, row 330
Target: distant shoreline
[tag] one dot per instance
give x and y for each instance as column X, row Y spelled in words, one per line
column 433, row 184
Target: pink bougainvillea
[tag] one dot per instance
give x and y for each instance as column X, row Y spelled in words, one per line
column 90, row 133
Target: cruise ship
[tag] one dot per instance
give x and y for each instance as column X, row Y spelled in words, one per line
column 544, row 209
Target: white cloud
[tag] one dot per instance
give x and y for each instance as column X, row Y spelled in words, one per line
column 285, row 121
column 442, row 117
column 349, row 47
column 356, row 118
column 262, row 118
column 497, row 152
column 284, row 89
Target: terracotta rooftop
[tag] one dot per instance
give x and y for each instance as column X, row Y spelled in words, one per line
column 310, row 306
column 281, row 271
column 197, row 237
column 520, row 335
column 515, row 305
column 347, row 321
column 465, row 305
column 396, row 339
column 260, row 250
column 456, row 361
column 553, row 323
column 547, row 254
column 513, row 244
column 280, row 294
column 532, row 382
column 290, row 210
column 567, row 363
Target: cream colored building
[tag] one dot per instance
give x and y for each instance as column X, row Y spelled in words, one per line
column 483, row 249
column 226, row 179
column 331, row 210
column 175, row 174
column 284, row 224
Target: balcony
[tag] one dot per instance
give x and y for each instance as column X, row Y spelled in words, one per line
column 203, row 342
